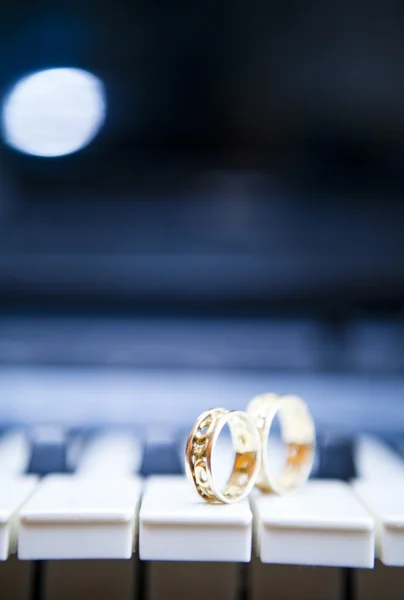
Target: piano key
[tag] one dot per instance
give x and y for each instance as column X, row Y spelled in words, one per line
column 385, row 501
column 307, row 535
column 376, row 461
column 380, row 488
column 110, row 454
column 79, row 518
column 48, row 450
column 160, row 453
column 89, row 515
column 15, row 576
column 319, row 524
column 335, row 458
column 187, row 541
column 168, row 529
column 14, row 491
column 14, row 453
column 75, row 518
column 398, row 445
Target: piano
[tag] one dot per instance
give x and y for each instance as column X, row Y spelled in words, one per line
column 199, row 203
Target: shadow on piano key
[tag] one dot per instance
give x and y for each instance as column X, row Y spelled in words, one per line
column 383, row 583
column 285, row 582
column 86, row 579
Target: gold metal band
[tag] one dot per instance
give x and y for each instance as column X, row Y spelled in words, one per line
column 298, row 433
column 199, row 450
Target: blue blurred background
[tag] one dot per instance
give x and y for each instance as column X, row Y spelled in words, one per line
column 199, row 203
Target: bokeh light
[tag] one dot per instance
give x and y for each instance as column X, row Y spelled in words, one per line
column 54, row 112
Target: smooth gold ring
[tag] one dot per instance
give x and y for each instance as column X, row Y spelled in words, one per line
column 298, row 433
column 199, row 450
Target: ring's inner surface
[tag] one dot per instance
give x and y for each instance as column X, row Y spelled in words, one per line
column 245, row 459
column 222, row 457
column 275, row 450
column 298, row 434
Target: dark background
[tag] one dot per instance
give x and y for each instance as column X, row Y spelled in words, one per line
column 237, row 222
column 252, row 154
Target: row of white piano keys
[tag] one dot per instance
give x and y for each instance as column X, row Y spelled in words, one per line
column 319, row 542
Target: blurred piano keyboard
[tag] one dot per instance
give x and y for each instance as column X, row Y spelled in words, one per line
column 101, row 525
column 93, row 499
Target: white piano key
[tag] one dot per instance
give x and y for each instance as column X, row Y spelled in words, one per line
column 176, row 525
column 110, row 454
column 319, row 524
column 385, row 502
column 14, row 491
column 375, row 461
column 15, row 577
column 78, row 518
column 291, row 582
column 177, row 534
column 174, row 576
column 14, row 453
column 380, row 488
column 91, row 515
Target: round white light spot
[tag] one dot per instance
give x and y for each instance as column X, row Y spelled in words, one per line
column 54, row 112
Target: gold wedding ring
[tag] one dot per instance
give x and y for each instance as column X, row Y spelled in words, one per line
column 298, row 433
column 200, row 447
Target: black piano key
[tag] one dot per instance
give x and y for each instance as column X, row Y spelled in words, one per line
column 160, row 454
column 335, row 458
column 49, row 446
column 396, row 443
